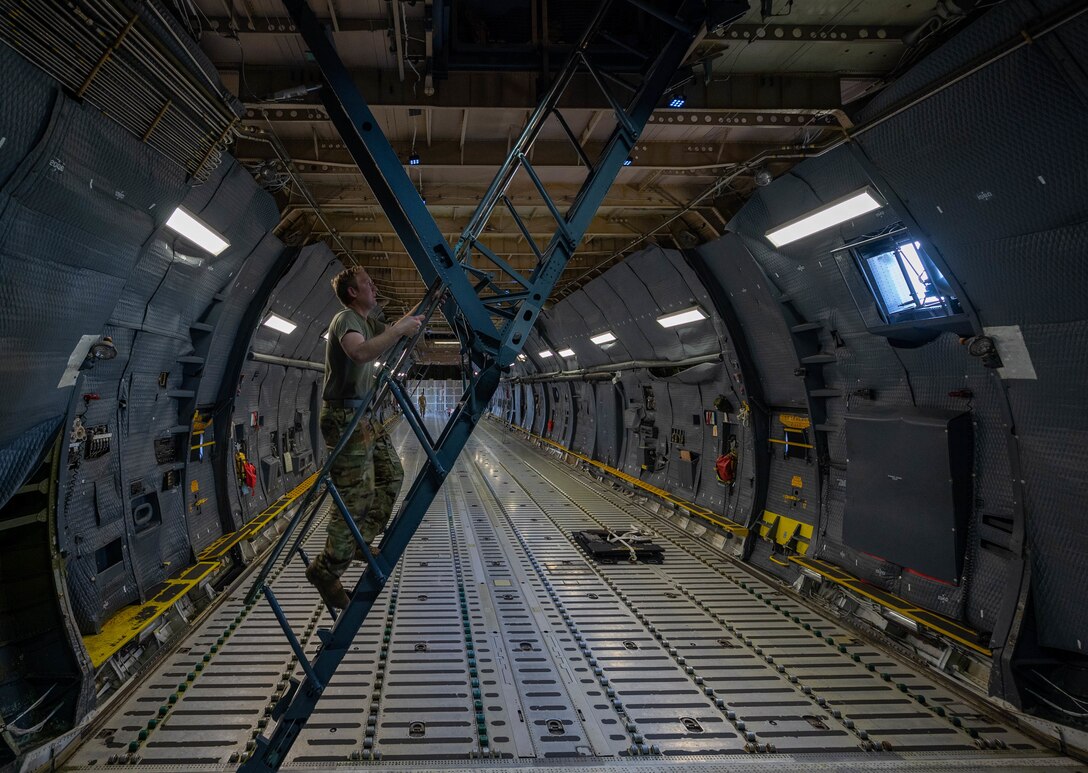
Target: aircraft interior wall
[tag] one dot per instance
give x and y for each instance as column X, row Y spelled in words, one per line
column 1002, row 219
column 793, row 352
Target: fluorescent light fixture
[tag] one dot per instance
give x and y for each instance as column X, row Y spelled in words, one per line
column 545, row 354
column 566, row 352
column 603, row 338
column 445, row 342
column 677, row 100
column 276, row 322
column 628, row 161
column 830, row 214
column 522, row 357
column 413, row 160
column 187, row 225
column 694, row 314
column 377, row 363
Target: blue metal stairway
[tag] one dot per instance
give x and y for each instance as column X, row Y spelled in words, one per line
column 492, row 323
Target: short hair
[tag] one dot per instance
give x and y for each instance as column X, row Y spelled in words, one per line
column 342, row 281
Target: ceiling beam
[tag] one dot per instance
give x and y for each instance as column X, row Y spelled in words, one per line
column 547, row 153
column 518, row 90
column 260, row 114
column 334, row 197
column 808, row 33
column 769, row 33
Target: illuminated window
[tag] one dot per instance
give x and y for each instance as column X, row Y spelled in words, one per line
column 905, row 283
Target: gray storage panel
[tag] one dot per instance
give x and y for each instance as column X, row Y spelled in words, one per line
column 909, row 488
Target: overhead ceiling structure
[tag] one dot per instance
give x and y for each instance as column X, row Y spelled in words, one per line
column 452, row 85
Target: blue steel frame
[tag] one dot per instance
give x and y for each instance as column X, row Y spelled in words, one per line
column 469, row 299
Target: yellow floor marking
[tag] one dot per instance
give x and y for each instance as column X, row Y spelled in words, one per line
column 697, row 510
column 127, row 623
column 923, row 617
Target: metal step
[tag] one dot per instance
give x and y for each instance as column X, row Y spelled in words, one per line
column 827, row 427
column 191, row 359
column 825, row 393
column 823, row 358
column 806, row 327
column 180, row 394
column 201, row 327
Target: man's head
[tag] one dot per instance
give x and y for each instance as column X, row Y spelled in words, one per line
column 355, row 289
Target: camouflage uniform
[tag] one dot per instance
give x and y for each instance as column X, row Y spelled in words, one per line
column 368, row 475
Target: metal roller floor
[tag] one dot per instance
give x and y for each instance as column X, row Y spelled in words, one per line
column 497, row 643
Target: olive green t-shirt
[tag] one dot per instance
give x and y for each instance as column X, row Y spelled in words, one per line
column 344, row 379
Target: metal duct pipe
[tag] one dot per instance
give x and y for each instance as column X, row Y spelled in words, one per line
column 286, row 362
column 607, row 371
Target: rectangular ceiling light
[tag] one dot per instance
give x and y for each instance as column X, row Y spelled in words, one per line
column 544, row 354
column 604, row 338
column 445, row 342
column 822, row 218
column 694, row 314
column 566, row 352
column 522, row 357
column 276, row 322
column 187, row 225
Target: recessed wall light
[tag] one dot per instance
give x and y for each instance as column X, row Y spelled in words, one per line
column 827, row 216
column 694, row 314
column 276, row 322
column 186, row 224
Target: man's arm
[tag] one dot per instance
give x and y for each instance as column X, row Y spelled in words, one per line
column 362, row 350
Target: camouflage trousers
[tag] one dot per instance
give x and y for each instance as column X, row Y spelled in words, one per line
column 368, row 475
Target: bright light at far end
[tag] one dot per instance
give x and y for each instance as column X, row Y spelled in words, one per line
column 276, row 322
column 694, row 314
column 545, row 354
column 187, row 225
column 831, row 214
column 445, row 342
column 325, row 335
column 522, row 358
column 603, row 338
column 566, row 352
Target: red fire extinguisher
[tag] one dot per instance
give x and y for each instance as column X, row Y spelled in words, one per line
column 249, row 473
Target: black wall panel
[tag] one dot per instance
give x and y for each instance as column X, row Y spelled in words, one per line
column 1008, row 217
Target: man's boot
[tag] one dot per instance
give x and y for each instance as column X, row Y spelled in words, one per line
column 332, row 592
column 375, row 549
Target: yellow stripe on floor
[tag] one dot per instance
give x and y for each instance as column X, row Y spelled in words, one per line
column 923, row 617
column 223, row 545
column 697, row 510
column 127, row 623
column 945, row 626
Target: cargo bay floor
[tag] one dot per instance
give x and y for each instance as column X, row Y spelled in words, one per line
column 498, row 644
